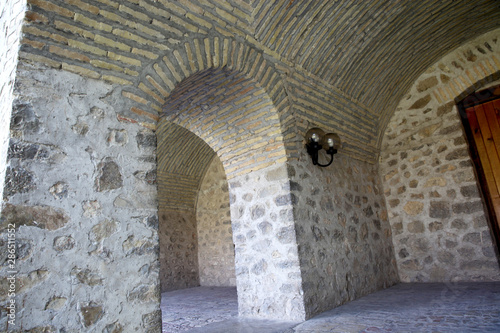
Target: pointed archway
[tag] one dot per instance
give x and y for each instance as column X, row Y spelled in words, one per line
column 223, row 111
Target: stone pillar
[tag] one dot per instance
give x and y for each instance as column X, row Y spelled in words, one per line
column 84, row 211
column 343, row 234
column 266, row 258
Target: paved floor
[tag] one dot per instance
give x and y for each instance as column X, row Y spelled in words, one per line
column 436, row 307
column 433, row 307
column 186, row 309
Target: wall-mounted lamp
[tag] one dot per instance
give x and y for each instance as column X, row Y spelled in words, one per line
column 316, row 139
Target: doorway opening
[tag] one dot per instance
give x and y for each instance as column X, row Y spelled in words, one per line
column 196, row 246
column 480, row 114
column 223, row 112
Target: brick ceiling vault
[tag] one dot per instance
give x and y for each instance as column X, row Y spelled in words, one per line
column 371, row 50
column 183, row 159
column 356, row 59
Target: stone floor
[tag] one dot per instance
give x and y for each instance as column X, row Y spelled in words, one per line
column 430, row 307
column 185, row 309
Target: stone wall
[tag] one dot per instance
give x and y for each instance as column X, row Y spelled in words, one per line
column 11, row 19
column 215, row 235
column 440, row 229
column 344, row 236
column 85, row 216
column 178, row 249
column 227, row 72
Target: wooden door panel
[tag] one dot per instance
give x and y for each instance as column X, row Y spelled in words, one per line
column 482, row 152
column 491, row 118
column 489, row 144
column 496, row 205
column 496, row 107
column 480, row 114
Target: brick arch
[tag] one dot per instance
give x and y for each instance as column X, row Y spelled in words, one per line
column 232, row 114
column 463, row 84
column 428, row 176
column 459, row 73
column 214, row 111
column 159, row 79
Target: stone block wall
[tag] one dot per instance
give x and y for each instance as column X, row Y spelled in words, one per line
column 215, row 235
column 230, row 73
column 343, row 232
column 268, row 275
column 85, row 216
column 178, row 249
column 438, row 219
column 11, row 20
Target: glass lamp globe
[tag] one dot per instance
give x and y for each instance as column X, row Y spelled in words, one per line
column 331, row 140
column 315, row 135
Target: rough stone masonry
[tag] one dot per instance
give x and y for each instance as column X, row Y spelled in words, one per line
column 82, row 210
column 440, row 227
column 120, row 108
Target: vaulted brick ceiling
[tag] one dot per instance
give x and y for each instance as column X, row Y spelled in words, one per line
column 371, row 50
column 362, row 54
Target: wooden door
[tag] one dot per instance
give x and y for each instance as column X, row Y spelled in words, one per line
column 484, row 120
column 481, row 117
